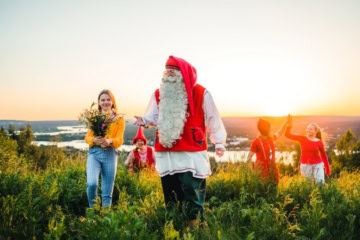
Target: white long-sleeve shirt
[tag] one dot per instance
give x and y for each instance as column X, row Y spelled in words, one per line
column 196, row 162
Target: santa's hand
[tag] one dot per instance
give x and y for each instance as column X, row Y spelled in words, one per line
column 220, row 152
column 139, row 121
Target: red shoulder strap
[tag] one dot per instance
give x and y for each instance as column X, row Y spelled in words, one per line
column 199, row 88
column 136, row 156
column 157, row 96
column 149, row 156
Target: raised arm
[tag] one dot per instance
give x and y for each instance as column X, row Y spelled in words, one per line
column 294, row 137
column 281, row 131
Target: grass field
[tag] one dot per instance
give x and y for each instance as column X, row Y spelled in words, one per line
column 52, row 204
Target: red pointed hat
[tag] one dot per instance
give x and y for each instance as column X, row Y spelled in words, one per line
column 189, row 75
column 264, row 127
column 139, row 135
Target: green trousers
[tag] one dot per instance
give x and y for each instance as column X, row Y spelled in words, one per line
column 183, row 188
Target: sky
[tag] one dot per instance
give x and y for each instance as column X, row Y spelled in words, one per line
column 256, row 58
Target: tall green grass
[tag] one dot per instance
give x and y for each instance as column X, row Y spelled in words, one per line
column 52, row 204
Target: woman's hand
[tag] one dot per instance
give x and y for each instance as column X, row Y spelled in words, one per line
column 98, row 141
column 286, row 124
column 106, row 143
column 289, row 121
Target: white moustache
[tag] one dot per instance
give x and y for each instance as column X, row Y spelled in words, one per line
column 173, row 79
column 170, row 79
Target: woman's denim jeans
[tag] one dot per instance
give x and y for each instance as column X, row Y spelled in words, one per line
column 104, row 161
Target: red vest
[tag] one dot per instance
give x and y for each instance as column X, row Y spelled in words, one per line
column 149, row 158
column 193, row 139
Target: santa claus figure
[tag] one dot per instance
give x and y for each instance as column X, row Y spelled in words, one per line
column 183, row 112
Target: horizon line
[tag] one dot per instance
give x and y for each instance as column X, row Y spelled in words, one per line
column 264, row 116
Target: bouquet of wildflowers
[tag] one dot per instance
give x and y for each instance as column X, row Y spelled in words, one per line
column 97, row 121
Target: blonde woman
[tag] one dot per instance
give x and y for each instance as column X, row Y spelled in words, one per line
column 313, row 156
column 102, row 155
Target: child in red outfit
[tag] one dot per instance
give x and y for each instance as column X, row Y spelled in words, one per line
column 142, row 156
column 264, row 148
column 313, row 156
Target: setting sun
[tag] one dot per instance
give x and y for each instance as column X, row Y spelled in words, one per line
column 270, row 85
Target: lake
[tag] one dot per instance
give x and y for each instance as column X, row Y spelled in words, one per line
column 80, row 144
column 228, row 156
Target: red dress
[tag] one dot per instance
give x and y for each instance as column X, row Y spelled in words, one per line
column 265, row 159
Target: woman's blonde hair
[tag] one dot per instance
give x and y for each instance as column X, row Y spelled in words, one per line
column 318, row 131
column 105, row 91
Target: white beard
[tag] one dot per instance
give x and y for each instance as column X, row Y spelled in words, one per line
column 172, row 110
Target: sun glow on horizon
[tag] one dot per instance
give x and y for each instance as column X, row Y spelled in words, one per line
column 265, row 84
column 277, row 111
